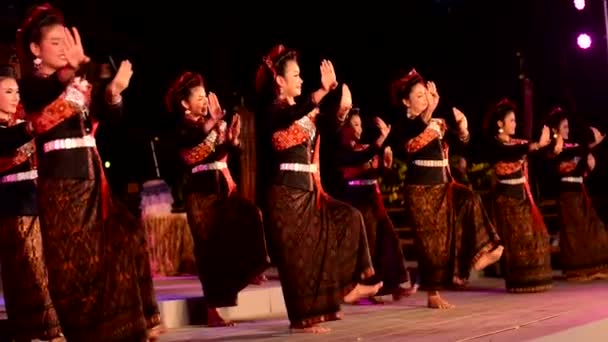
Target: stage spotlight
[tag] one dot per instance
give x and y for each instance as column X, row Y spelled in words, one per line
column 579, row 4
column 583, row 41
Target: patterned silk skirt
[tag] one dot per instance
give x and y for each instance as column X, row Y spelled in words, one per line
column 28, row 303
column 229, row 244
column 452, row 232
column 99, row 271
column 321, row 252
column 526, row 260
column 384, row 246
column 583, row 237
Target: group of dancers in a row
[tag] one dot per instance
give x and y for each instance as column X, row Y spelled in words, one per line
column 75, row 263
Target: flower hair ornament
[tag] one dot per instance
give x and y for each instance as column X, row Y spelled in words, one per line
column 270, row 65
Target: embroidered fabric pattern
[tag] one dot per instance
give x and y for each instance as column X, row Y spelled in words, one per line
column 290, row 137
column 422, row 140
column 73, row 101
column 504, row 168
column 201, row 151
column 308, row 125
column 23, row 154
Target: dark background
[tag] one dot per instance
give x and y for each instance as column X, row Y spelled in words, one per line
column 474, row 50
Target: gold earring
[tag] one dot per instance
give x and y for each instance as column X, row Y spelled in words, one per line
column 500, row 130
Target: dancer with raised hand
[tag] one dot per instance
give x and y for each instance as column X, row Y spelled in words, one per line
column 29, row 307
column 361, row 165
column 227, row 229
column 99, row 272
column 583, row 239
column 452, row 229
column 527, row 256
column 318, row 243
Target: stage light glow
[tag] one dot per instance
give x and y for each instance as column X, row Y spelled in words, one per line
column 107, row 164
column 579, row 4
column 583, row 41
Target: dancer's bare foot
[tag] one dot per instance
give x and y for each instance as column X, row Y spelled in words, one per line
column 580, row 279
column 488, row 258
column 459, row 283
column 362, row 291
column 403, row 292
column 600, row 276
column 154, row 333
column 436, row 302
column 214, row 320
column 259, row 280
column 314, row 329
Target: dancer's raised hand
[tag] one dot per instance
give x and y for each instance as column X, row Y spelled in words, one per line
column 215, row 110
column 328, row 76
column 73, row 50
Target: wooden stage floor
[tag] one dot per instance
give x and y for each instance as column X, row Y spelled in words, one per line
column 484, row 313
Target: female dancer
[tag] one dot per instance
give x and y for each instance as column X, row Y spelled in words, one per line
column 28, row 303
column 227, row 229
column 527, row 262
column 453, row 231
column 317, row 243
column 583, row 238
column 96, row 252
column 360, row 165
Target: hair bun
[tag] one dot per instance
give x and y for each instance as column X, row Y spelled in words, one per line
column 403, row 85
column 180, row 88
column 7, row 70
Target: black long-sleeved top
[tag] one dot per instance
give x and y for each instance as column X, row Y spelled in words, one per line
column 281, row 116
column 54, row 117
column 360, row 163
column 17, row 155
column 195, row 150
column 508, row 159
column 412, row 139
column 572, row 162
column 355, row 157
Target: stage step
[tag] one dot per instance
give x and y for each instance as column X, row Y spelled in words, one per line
column 182, row 302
